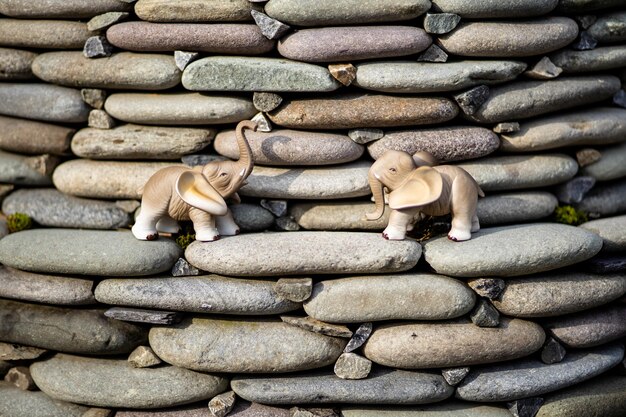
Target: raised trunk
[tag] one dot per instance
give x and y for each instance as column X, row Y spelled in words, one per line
column 379, row 197
column 245, row 162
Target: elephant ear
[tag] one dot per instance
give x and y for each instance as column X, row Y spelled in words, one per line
column 196, row 191
column 423, row 186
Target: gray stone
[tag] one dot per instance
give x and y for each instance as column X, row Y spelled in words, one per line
column 599, row 59
column 516, row 207
column 262, row 123
column 454, row 376
column 303, row 253
column 67, row 330
column 266, row 102
column 97, row 47
column 103, row 21
column 589, row 328
column 485, row 314
column 490, row 288
column 313, row 412
column 182, row 58
column 99, row 119
column 17, row 403
column 47, row 289
column 575, row 189
column 611, row 231
column 495, row 8
column 433, row 54
column 20, row 377
column 178, row 108
column 526, row 407
column 363, row 136
column 344, row 73
column 440, row 23
column 451, row 344
column 63, row 377
column 316, row 326
column 43, row 34
column 449, row 408
column 606, row 264
column 508, row 127
column 605, row 199
column 245, row 409
column 277, row 207
column 143, row 357
column 359, row 338
column 192, row 11
column 294, row 289
column 270, row 28
column 552, row 352
column 22, row 170
column 585, row 21
column 544, row 70
column 347, row 12
column 30, row 137
column 523, row 99
column 222, row 404
column 585, row 42
column 583, row 6
column 415, row 296
column 143, row 316
column 182, row 269
column 471, row 100
column 352, row 366
column 98, row 412
column 203, row 294
column 619, row 98
column 46, row 102
column 87, row 252
column 587, row 156
column 252, row 218
column 194, row 410
column 336, row 215
column 94, row 97
column 14, row 352
column 51, row 9
column 223, row 73
column 513, row 250
column 611, row 166
column 243, row 346
column 15, row 64
column 609, row 28
column 530, row 377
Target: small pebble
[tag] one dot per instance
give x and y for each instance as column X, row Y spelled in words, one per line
column 344, row 73
column 544, row 70
column 182, row 268
column 262, row 122
column 20, row 377
column 527, row 407
column 94, row 97
column 433, row 54
column 13, row 352
column 98, row 412
column 313, row 412
column 294, row 289
column 359, row 337
column 352, row 366
column 619, row 98
column 222, row 404
column 316, row 326
column 270, row 28
column 277, row 207
column 105, row 20
column 487, row 287
column 471, row 100
column 287, row 224
column 143, row 316
column 507, row 127
column 100, row 119
column 586, row 21
column 143, row 357
column 440, row 23
column 485, row 314
column 266, row 102
column 587, row 156
column 454, row 376
column 585, row 42
column 365, row 135
column 183, row 58
column 97, row 47
column 574, row 190
column 552, row 352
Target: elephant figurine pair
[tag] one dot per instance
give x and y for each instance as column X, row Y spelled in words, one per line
column 197, row 194
column 417, row 185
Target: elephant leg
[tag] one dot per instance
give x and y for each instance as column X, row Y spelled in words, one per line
column 204, row 225
column 475, row 224
column 464, row 199
column 226, row 225
column 399, row 221
column 145, row 227
column 167, row 225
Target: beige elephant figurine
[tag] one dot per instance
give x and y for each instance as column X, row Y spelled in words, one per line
column 417, row 185
column 197, row 194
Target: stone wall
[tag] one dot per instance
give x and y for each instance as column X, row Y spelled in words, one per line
column 309, row 311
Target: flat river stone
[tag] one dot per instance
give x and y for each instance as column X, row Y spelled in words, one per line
column 23, row 170
column 521, row 171
column 598, row 59
column 120, row 385
column 105, row 179
column 447, row 409
column 523, row 99
column 140, row 142
column 54, row 9
column 291, row 147
column 347, row 12
column 87, row 252
column 451, row 344
column 512, row 250
column 597, row 126
column 517, row 207
column 67, row 329
column 43, row 34
column 515, row 39
column 49, row 207
column 217, row 38
column 382, row 386
column 194, row 11
column 48, row 289
column 200, row 294
column 416, row 296
column 45, row 102
column 178, row 108
column 124, row 70
column 335, row 215
column 609, row 28
column 15, row 402
column 605, row 199
column 546, row 295
column 582, row 6
column 15, row 64
column 363, row 110
column 589, row 328
column 350, row 43
column 611, row 230
column 30, row 137
column 301, row 253
column 444, row 143
column 611, row 166
column 261, row 345
column 495, row 8
column 322, row 183
column 531, row 377
column 427, row 77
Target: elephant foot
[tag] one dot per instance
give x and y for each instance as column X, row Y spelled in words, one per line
column 459, row 235
column 142, row 233
column 394, row 234
column 209, row 235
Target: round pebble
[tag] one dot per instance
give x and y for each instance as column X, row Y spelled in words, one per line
column 22, row 170
column 43, row 34
column 45, row 102
column 611, row 230
column 15, row 64
column 194, row 11
column 610, row 166
column 495, row 8
column 335, row 215
column 598, row 59
column 15, row 402
column 30, row 137
column 589, row 328
column 54, row 9
column 516, row 207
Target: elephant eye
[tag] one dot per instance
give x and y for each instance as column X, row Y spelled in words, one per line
column 392, row 169
column 223, row 174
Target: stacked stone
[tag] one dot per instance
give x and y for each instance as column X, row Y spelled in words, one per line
column 310, row 312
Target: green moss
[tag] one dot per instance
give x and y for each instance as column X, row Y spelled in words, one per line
column 186, row 235
column 569, row 215
column 430, row 227
column 18, row 221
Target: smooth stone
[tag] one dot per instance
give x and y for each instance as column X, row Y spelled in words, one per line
column 447, row 409
column 583, row 6
column 23, row 170
column 178, row 108
column 15, row 402
column 13, row 352
column 352, row 366
column 444, row 143
column 521, row 171
column 589, row 328
column 611, row 230
column 47, row 289
column 363, row 110
column 15, row 64
column 252, row 218
column 352, row 43
column 194, row 11
column 202, row 294
column 347, row 12
column 450, row 344
column 531, row 377
column 216, row 38
column 415, row 296
column 43, row 34
column 294, row 289
column 105, row 179
column 87, row 252
column 605, row 199
column 513, row 250
column 266, row 102
column 426, row 77
column 245, row 345
column 587, row 156
column 515, row 207
column 495, row 8
column 301, row 253
column 322, row 183
column 597, row 126
column 66, row 329
column 54, row 9
column 277, row 207
column 606, row 264
column 611, row 165
column 523, row 99
column 381, row 387
column 515, row 39
column 336, row 215
column 123, row 70
column 604, row 396
column 20, row 377
column 291, row 147
column 138, row 315
column 120, row 385
column 140, row 142
column 609, row 28
column 49, row 207
column 222, row 404
column 222, row 73
column 105, row 20
column 143, row 357
column 194, row 410
column 45, row 102
column 597, row 59
column 35, row 138
column 440, row 23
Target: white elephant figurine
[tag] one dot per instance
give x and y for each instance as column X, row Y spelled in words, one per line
column 197, row 194
column 416, row 187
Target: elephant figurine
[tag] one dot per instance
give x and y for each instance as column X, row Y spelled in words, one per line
column 417, row 185
column 197, row 194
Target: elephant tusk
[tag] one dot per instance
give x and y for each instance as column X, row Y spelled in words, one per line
column 377, row 176
column 242, row 173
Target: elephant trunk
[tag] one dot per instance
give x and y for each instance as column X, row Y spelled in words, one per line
column 379, row 197
column 245, row 162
